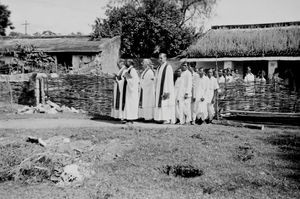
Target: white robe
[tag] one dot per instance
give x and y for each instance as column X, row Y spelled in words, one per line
column 148, row 94
column 167, row 110
column 130, row 111
column 195, row 79
column 187, row 81
column 193, row 106
column 118, row 84
column 212, row 85
column 179, row 99
column 249, row 84
column 201, row 88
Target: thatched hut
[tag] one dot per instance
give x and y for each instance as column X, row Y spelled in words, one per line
column 73, row 52
column 261, row 46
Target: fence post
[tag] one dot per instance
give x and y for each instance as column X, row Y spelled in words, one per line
column 37, row 91
column 217, row 97
column 10, row 93
column 42, row 89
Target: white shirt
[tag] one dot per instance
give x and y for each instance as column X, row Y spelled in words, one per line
column 201, row 87
column 187, row 79
column 249, row 78
column 212, row 84
column 221, row 80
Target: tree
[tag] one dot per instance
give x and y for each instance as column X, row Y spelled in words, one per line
column 76, row 34
column 4, row 19
column 48, row 33
column 148, row 28
column 27, row 56
column 37, row 34
column 191, row 9
column 15, row 34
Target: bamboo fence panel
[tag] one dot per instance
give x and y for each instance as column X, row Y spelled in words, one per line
column 92, row 93
column 264, row 98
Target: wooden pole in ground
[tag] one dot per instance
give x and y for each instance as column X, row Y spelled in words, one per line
column 37, row 91
column 47, row 83
column 10, row 93
column 217, row 97
column 42, row 89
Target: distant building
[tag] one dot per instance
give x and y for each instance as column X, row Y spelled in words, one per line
column 74, row 52
column 260, row 46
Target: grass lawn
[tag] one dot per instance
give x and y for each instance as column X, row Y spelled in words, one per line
column 208, row 161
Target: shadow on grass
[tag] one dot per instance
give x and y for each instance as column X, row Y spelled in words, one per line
column 111, row 120
column 289, row 145
column 104, row 118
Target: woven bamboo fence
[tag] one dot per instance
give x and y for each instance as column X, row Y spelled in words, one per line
column 92, row 93
column 261, row 97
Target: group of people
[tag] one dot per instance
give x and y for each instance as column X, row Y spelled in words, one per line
column 231, row 76
column 154, row 95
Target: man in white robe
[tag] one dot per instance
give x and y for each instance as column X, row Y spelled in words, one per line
column 187, row 81
column 130, row 97
column 179, row 97
column 118, row 91
column 228, row 76
column 195, row 77
column 222, row 83
column 212, row 92
column 221, row 79
column 147, row 91
column 201, row 86
column 164, row 92
column 249, row 82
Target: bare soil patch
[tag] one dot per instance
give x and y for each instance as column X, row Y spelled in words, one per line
column 185, row 171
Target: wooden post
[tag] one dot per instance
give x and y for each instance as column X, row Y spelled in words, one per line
column 42, row 89
column 37, row 91
column 10, row 93
column 47, row 83
column 217, row 97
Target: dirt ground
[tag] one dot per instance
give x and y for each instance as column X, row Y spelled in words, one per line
column 158, row 161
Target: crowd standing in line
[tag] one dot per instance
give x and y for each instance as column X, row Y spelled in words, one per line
column 185, row 96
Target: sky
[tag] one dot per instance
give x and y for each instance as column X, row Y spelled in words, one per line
column 67, row 16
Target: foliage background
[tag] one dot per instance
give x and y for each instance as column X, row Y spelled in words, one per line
column 148, row 27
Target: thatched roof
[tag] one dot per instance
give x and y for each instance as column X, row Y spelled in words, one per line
column 55, row 43
column 282, row 39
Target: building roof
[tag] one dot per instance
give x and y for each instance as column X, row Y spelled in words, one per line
column 261, row 25
column 252, row 40
column 55, row 43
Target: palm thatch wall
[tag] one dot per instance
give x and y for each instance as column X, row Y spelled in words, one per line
column 247, row 42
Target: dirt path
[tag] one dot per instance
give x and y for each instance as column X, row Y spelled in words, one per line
column 71, row 123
